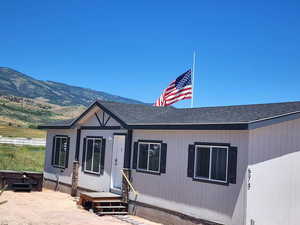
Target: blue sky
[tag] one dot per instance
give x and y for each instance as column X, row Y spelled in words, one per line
column 247, row 51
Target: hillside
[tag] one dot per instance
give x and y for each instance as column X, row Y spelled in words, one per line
column 26, row 112
column 28, row 102
column 18, row 84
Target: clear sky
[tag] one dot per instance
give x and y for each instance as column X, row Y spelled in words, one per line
column 247, row 51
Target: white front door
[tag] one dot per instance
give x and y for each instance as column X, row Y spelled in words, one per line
column 117, row 161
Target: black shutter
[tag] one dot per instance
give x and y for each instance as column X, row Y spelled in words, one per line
column 163, row 159
column 83, row 154
column 67, row 153
column 102, row 156
column 135, row 153
column 191, row 161
column 232, row 165
column 53, row 151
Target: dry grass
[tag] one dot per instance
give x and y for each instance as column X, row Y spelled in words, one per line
column 11, row 131
column 27, row 112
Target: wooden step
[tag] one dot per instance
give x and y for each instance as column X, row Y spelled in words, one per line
column 105, row 201
column 111, row 213
column 100, row 195
column 111, row 207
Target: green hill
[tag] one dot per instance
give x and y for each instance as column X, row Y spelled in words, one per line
column 18, row 84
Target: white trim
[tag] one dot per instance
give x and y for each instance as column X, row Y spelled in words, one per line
column 138, row 157
column 93, row 150
column 210, row 147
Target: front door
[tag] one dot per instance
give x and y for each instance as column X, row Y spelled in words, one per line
column 117, row 161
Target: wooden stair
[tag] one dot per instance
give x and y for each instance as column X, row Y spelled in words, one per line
column 103, row 203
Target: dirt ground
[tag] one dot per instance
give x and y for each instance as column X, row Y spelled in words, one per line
column 52, row 208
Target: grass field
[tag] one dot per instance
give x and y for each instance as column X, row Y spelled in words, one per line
column 22, row 158
column 11, row 131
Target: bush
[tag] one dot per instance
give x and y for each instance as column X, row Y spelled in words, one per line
column 33, row 126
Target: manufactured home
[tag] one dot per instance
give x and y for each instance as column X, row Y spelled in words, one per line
column 233, row 165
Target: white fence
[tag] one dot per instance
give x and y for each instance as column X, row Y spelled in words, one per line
column 23, row 141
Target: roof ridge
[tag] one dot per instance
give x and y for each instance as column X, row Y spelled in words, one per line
column 150, row 105
column 229, row 106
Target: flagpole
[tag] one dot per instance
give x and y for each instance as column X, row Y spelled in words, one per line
column 193, row 78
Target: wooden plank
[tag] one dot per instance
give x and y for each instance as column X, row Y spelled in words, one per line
column 111, row 207
column 111, row 213
column 104, row 201
column 100, row 195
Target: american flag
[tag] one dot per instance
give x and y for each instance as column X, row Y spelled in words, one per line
column 179, row 89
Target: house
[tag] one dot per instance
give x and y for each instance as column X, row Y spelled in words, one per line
column 233, row 165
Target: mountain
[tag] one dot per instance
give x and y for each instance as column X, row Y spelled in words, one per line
column 28, row 102
column 18, row 84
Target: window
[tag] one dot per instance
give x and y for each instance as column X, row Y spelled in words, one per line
column 60, row 151
column 211, row 163
column 149, row 157
column 93, row 155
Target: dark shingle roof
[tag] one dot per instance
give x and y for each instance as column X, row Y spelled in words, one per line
column 138, row 114
column 60, row 123
column 144, row 114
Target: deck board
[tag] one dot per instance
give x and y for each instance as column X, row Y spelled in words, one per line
column 100, row 195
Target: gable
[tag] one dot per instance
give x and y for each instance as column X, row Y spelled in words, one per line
column 96, row 117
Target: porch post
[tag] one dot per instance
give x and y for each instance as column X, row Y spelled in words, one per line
column 127, row 163
column 76, row 165
column 74, row 178
column 125, row 186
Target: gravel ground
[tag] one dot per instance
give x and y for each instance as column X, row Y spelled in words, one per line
column 53, row 208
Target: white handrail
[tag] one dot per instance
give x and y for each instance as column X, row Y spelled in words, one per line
column 129, row 183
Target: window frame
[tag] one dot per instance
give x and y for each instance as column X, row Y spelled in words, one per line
column 209, row 179
column 138, row 157
column 60, row 149
column 86, row 151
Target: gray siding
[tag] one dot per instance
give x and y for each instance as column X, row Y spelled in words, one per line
column 51, row 172
column 91, row 181
column 274, row 156
column 175, row 191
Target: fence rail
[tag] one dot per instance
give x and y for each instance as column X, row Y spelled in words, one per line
column 23, row 141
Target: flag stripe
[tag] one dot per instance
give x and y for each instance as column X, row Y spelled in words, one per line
column 171, row 90
column 177, row 91
column 176, row 100
column 176, row 94
column 179, row 95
